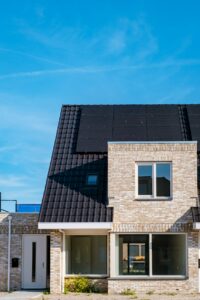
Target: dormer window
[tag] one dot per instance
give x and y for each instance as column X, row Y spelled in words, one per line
column 154, row 180
column 92, row 179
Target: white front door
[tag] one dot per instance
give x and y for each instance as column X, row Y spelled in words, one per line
column 34, row 261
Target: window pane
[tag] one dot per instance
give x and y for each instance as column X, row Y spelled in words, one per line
column 92, row 180
column 133, row 255
column 80, row 255
column 169, row 254
column 88, row 255
column 33, row 261
column 99, row 255
column 163, row 180
column 145, row 180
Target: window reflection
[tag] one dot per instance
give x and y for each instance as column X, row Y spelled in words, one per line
column 133, row 255
column 145, row 179
column 163, row 180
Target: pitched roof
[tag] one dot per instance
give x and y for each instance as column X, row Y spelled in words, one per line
column 81, row 148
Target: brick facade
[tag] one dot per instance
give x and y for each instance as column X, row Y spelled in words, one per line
column 56, row 273
column 132, row 215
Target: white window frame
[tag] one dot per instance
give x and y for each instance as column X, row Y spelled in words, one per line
column 151, row 276
column 154, row 187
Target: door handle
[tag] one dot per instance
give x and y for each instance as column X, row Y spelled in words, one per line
column 43, row 265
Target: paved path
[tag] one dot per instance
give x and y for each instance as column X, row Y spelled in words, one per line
column 28, row 295
column 120, row 297
column 21, row 295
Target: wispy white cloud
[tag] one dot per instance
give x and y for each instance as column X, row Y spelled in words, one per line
column 133, row 39
column 39, row 58
column 104, row 69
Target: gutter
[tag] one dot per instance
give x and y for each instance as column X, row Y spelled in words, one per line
column 74, row 225
column 9, row 242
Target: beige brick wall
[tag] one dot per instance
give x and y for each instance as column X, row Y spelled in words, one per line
column 56, row 275
column 21, row 224
column 132, row 215
column 122, row 160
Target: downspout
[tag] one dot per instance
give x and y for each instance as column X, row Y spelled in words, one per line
column 62, row 261
column 9, row 242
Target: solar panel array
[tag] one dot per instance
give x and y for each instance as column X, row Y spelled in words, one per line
column 100, row 124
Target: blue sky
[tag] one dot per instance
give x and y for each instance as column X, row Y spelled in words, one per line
column 98, row 51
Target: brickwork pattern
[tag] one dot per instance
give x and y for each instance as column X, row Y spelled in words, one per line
column 134, row 215
column 122, row 159
column 56, row 262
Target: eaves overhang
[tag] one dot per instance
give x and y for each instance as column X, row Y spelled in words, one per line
column 74, row 225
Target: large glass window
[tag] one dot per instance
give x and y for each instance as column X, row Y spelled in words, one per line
column 133, row 255
column 87, row 255
column 167, row 257
column 169, row 254
column 154, row 180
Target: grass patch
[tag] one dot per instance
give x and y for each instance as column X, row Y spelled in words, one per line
column 169, row 293
column 129, row 292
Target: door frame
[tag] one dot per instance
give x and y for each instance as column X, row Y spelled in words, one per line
column 22, row 272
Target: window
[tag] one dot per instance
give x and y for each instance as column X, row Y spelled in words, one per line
column 154, row 180
column 169, row 254
column 86, row 255
column 166, row 257
column 133, row 253
column 92, row 179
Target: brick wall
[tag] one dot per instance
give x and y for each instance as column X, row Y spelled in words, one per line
column 121, row 182
column 56, row 275
column 132, row 215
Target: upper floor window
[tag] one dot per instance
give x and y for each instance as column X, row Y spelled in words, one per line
column 92, row 179
column 154, row 180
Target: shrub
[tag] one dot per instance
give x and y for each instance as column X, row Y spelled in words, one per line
column 78, row 285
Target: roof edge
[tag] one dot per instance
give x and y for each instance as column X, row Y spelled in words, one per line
column 74, row 225
column 152, row 142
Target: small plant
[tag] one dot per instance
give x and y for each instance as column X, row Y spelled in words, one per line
column 47, row 292
column 151, row 292
column 78, row 285
column 129, row 292
column 169, row 293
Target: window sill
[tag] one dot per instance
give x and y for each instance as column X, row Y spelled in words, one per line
column 129, row 277
column 86, row 275
column 154, row 199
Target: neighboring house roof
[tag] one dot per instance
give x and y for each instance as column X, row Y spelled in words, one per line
column 81, row 148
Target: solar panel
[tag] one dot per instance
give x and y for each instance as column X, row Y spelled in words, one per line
column 99, row 125
column 194, row 121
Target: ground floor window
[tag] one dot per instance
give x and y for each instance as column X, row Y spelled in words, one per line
column 86, row 255
column 152, row 254
column 133, row 255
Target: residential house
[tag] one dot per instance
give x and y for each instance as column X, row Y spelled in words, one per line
column 121, row 197
column 120, row 204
